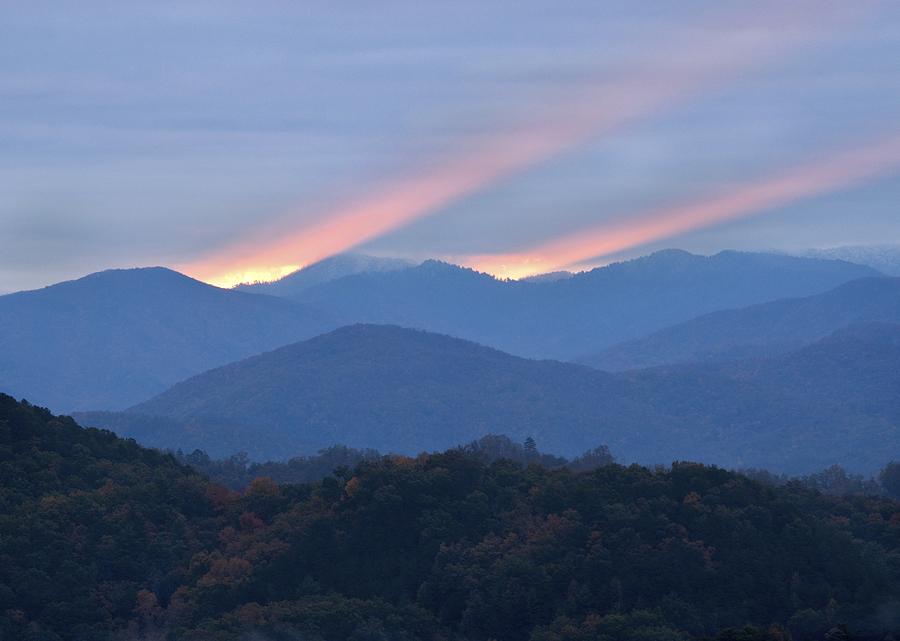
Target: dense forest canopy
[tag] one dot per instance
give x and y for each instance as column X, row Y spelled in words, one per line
column 105, row 539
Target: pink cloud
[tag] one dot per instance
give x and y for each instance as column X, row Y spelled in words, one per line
column 708, row 54
column 838, row 171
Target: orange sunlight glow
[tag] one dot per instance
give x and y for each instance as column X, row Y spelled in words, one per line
column 714, row 53
column 840, row 171
column 252, row 275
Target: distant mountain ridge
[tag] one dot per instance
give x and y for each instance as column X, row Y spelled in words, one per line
column 326, row 271
column 836, row 399
column 113, row 338
column 568, row 318
column 766, row 329
column 394, row 389
column 884, row 258
column 548, row 277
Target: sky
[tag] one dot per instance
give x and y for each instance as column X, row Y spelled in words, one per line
column 236, row 141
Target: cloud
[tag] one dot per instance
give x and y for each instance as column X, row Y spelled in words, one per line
column 697, row 59
column 838, row 171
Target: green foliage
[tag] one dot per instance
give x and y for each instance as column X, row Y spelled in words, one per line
column 86, row 520
column 102, row 539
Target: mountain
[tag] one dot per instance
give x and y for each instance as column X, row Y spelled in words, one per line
column 834, row 401
column 569, row 318
column 766, row 329
column 326, row 271
column 106, row 540
column 116, row 337
column 549, row 277
column 382, row 387
column 884, row 258
column 111, row 339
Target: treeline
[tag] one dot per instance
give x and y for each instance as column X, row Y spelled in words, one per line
column 836, row 481
column 238, row 471
column 102, row 539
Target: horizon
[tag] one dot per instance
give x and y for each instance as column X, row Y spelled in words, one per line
column 237, row 146
column 499, row 277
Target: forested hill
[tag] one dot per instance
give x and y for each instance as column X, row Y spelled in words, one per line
column 382, row 387
column 767, row 329
column 102, row 539
column 87, row 522
column 407, row 391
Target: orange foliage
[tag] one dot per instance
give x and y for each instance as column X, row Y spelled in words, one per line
column 263, row 486
column 250, row 521
column 351, row 488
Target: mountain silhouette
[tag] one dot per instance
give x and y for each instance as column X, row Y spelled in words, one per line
column 402, row 390
column 325, row 271
column 584, row 314
column 765, row 329
column 116, row 337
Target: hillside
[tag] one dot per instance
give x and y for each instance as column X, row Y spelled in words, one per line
column 89, row 521
column 114, row 338
column 584, row 314
column 326, row 271
column 381, row 387
column 836, row 400
column 399, row 390
column 105, row 540
column 767, row 329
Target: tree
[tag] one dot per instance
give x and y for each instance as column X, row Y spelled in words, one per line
column 890, row 479
column 530, row 447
